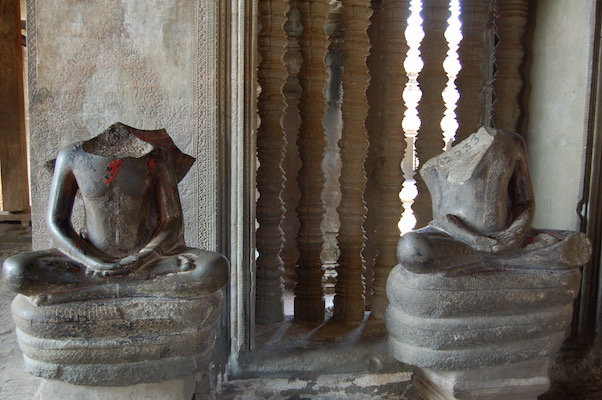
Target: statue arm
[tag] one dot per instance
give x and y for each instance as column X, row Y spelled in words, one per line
column 522, row 209
column 456, row 228
column 62, row 196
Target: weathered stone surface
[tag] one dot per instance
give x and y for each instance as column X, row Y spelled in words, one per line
column 521, row 381
column 356, row 386
column 504, row 308
column 181, row 389
column 149, row 64
column 117, row 342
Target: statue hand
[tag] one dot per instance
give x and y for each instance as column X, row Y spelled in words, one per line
column 447, row 223
column 453, row 226
column 101, row 268
column 505, row 240
column 485, row 244
column 139, row 259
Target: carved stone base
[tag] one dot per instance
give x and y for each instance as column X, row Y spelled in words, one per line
column 181, row 389
column 117, row 342
column 518, row 381
column 484, row 319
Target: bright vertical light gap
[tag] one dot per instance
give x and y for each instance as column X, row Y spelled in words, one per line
column 411, row 121
column 412, row 94
column 451, row 65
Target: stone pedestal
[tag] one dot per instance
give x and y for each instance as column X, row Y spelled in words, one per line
column 180, row 389
column 487, row 335
column 518, row 381
column 117, row 342
column 480, row 300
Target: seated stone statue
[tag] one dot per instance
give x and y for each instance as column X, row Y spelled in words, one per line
column 133, row 241
column 482, row 213
column 480, row 301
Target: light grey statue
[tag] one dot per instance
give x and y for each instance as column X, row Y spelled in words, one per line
column 482, row 212
column 134, row 231
column 480, row 300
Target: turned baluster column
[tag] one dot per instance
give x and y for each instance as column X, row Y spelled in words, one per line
column 432, row 81
column 313, row 76
column 392, row 145
column 271, row 142
column 291, row 163
column 511, row 21
column 349, row 300
column 373, row 128
column 471, row 112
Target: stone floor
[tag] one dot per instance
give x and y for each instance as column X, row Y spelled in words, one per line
column 577, row 374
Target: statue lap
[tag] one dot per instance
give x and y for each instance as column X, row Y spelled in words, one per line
column 51, row 276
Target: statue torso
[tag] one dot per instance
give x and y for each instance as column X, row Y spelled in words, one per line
column 471, row 180
column 119, row 197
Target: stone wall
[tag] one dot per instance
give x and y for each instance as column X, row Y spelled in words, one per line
column 558, row 108
column 148, row 64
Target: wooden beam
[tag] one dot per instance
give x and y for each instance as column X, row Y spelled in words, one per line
column 13, row 158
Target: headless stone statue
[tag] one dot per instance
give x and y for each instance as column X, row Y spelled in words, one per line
column 482, row 213
column 480, row 301
column 133, row 242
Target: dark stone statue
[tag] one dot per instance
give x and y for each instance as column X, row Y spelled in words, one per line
column 125, row 294
column 133, row 242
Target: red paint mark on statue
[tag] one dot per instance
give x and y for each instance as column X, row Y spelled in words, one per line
column 152, row 165
column 113, row 168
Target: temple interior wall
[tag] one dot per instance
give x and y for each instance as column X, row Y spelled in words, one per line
column 149, row 65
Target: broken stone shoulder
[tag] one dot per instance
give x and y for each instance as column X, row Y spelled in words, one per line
column 480, row 300
column 124, row 301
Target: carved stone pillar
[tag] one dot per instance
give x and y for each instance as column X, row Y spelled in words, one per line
column 349, row 300
column 271, row 142
column 291, row 122
column 392, row 145
column 511, row 21
column 313, row 76
column 331, row 163
column 470, row 111
column 432, row 80
column 374, row 128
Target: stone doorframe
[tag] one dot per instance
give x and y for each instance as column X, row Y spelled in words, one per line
column 236, row 127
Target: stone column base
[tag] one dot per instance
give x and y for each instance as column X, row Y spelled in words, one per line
column 180, row 389
column 519, row 381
